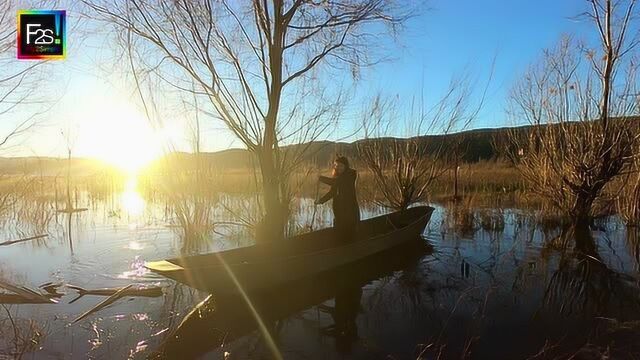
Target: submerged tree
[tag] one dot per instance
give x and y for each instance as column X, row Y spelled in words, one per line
column 582, row 103
column 266, row 68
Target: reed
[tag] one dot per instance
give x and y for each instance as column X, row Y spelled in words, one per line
column 628, row 202
column 191, row 202
column 19, row 336
column 460, row 218
column 491, row 219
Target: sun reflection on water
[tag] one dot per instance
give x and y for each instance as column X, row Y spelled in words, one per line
column 134, row 245
column 136, row 269
column 131, row 199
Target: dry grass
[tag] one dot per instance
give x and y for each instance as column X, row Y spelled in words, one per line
column 482, row 185
column 628, row 201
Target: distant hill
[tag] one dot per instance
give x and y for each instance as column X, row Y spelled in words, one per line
column 50, row 166
column 478, row 146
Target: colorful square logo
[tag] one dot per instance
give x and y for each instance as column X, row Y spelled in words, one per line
column 41, row 34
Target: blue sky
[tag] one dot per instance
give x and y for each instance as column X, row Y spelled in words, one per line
column 466, row 35
column 451, row 37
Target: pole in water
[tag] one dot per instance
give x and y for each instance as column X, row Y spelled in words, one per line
column 315, row 206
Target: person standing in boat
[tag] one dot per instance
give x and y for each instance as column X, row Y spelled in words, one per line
column 346, row 211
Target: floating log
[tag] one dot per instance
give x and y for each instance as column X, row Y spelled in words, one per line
column 19, row 299
column 153, row 291
column 10, row 242
column 24, row 295
column 108, row 301
column 72, row 210
column 52, row 289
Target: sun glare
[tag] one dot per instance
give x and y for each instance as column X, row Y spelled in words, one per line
column 131, row 199
column 122, row 137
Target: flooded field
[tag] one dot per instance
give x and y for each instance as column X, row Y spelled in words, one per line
column 149, row 144
column 482, row 283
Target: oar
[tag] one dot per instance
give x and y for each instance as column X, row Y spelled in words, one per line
column 315, row 206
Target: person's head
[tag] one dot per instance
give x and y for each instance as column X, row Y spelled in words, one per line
column 340, row 165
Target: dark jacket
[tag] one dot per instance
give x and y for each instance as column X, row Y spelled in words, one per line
column 343, row 192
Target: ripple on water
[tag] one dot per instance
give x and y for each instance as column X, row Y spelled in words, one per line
column 136, row 269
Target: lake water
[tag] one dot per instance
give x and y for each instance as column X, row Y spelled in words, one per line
column 509, row 289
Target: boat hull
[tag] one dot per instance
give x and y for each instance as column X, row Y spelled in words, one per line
column 262, row 267
column 222, row 319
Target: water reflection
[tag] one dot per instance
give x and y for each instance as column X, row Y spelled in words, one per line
column 131, row 199
column 136, row 270
column 223, row 319
column 584, row 285
column 499, row 284
column 344, row 313
column 134, row 245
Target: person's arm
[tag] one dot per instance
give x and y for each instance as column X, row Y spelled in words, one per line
column 328, row 196
column 327, row 180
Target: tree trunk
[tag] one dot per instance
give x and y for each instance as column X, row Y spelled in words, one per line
column 582, row 208
column 272, row 226
column 583, row 240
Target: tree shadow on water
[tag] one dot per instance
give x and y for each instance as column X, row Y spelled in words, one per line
column 583, row 284
column 584, row 288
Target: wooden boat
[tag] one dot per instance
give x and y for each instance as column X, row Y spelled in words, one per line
column 264, row 266
column 222, row 319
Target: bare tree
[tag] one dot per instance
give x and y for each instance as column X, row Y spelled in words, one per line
column 21, row 102
column 20, row 85
column 404, row 168
column 584, row 125
column 265, row 67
